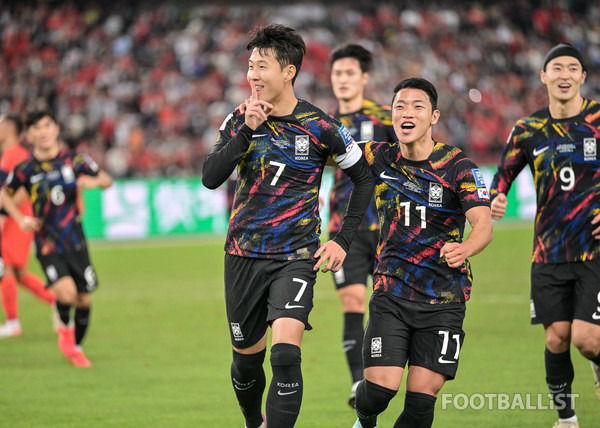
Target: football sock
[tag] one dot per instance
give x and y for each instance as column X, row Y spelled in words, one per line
column 596, row 360
column 64, row 312
column 37, row 287
column 285, row 392
column 559, row 376
column 248, row 379
column 353, row 339
column 82, row 320
column 418, row 411
column 371, row 400
column 10, row 297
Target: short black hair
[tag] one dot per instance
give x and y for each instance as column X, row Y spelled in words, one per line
column 37, row 115
column 16, row 122
column 284, row 41
column 564, row 49
column 418, row 83
column 364, row 57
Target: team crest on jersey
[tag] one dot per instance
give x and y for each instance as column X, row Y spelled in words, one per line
column 367, row 130
column 67, row 173
column 589, row 149
column 376, row 346
column 302, row 147
column 436, row 191
column 237, row 331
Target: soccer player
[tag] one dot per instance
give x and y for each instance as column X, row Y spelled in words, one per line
column 16, row 243
column 560, row 143
column 51, row 175
column 280, row 145
column 425, row 192
column 366, row 120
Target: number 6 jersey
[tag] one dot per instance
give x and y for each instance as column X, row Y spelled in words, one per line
column 52, row 188
column 564, row 160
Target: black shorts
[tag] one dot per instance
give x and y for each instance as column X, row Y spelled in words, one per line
column 425, row 335
column 76, row 264
column 259, row 291
column 565, row 291
column 360, row 260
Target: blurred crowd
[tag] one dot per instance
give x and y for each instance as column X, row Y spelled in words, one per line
column 144, row 87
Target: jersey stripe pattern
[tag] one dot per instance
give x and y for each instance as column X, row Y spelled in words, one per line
column 564, row 159
column 372, row 122
column 421, row 207
column 52, row 188
column 275, row 213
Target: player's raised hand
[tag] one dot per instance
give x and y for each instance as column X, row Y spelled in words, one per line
column 499, row 206
column 331, row 252
column 257, row 110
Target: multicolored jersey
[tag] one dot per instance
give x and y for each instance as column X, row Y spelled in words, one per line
column 275, row 213
column 52, row 188
column 422, row 206
column 564, row 158
column 373, row 122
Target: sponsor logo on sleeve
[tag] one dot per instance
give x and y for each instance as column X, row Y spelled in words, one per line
column 479, row 181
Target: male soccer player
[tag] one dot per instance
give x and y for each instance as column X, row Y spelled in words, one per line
column 16, row 243
column 560, row 143
column 366, row 120
column 280, row 145
column 51, row 175
column 424, row 190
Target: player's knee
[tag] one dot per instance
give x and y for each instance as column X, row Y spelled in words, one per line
column 588, row 346
column 243, row 363
column 558, row 341
column 353, row 298
column 372, row 399
column 285, row 354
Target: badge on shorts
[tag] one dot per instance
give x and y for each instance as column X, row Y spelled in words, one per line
column 376, row 346
column 237, row 331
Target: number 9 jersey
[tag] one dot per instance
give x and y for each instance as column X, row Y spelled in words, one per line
column 52, row 188
column 565, row 163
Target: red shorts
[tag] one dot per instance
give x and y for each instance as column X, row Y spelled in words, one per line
column 16, row 244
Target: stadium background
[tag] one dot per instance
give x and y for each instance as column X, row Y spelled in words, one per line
column 142, row 87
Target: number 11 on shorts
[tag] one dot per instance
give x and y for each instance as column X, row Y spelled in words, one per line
column 445, row 344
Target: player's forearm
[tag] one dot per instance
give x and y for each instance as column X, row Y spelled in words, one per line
column 10, row 206
column 362, row 192
column 223, row 158
column 104, row 180
column 482, row 230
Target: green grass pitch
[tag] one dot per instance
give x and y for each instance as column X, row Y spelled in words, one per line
column 160, row 349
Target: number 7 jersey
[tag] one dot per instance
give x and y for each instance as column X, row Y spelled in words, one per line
column 564, row 160
column 275, row 213
column 52, row 188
